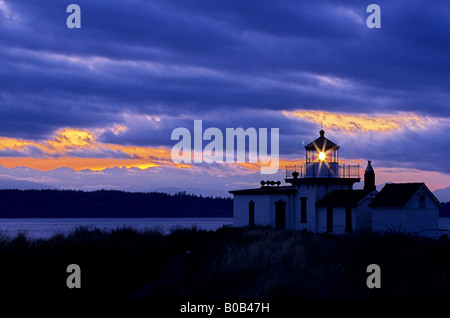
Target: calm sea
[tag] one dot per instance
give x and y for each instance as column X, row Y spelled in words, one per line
column 46, row 227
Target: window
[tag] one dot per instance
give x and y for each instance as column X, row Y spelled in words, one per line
column 303, row 210
column 280, row 214
column 251, row 213
column 422, row 202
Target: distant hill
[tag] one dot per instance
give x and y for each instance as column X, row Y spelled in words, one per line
column 109, row 203
column 7, row 182
column 442, row 195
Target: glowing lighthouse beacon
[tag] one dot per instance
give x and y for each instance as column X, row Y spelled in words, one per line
column 322, row 158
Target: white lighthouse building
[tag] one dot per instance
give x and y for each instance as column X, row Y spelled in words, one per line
column 319, row 197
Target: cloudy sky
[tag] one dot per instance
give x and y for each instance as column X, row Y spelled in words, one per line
column 95, row 107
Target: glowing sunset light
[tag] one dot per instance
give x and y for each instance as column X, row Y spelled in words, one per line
column 58, row 152
column 65, row 139
column 16, row 144
column 75, row 163
column 72, row 138
column 351, row 123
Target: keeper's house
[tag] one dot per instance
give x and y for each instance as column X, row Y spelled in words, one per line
column 319, row 197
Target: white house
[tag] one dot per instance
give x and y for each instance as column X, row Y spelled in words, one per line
column 405, row 206
column 319, row 197
column 343, row 211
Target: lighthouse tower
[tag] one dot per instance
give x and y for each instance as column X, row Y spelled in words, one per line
column 320, row 175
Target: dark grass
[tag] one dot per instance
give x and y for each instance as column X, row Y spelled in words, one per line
column 229, row 262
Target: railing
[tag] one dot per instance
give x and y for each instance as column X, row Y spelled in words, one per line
column 311, row 171
column 299, row 169
column 348, row 171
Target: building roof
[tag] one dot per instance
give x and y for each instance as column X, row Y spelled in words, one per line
column 398, row 195
column 266, row 190
column 321, row 143
column 342, row 198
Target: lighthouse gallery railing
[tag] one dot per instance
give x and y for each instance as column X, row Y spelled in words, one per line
column 344, row 171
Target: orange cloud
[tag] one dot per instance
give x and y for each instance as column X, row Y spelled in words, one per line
column 16, row 144
column 69, row 139
column 59, row 151
column 65, row 139
column 351, row 123
column 142, row 152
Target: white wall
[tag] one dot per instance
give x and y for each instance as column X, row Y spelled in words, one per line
column 264, row 209
column 411, row 218
column 314, row 192
column 338, row 219
column 362, row 216
column 241, row 208
column 309, row 193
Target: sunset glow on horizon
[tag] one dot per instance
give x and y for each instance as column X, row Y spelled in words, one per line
column 80, row 150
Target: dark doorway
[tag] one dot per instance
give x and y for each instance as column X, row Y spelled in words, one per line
column 303, row 210
column 280, row 214
column 251, row 213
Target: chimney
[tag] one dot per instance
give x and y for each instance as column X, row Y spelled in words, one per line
column 369, row 178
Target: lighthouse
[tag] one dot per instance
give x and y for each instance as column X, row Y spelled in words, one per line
column 319, row 197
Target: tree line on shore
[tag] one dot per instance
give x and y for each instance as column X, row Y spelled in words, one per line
column 109, row 203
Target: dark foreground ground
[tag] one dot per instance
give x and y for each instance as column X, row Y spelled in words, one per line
column 236, row 263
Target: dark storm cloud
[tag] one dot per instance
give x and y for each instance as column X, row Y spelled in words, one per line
column 231, row 63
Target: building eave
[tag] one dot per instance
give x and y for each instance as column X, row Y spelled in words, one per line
column 264, row 190
column 322, row 180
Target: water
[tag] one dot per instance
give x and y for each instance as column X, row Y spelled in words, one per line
column 46, row 227
column 444, row 223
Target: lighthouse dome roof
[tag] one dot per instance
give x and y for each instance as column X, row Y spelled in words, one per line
column 321, row 143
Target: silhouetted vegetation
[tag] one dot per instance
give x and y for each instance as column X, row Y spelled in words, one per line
column 109, row 203
column 230, row 262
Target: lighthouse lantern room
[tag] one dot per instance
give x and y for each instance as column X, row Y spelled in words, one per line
column 322, row 158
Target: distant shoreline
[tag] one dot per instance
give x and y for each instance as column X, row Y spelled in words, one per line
column 44, row 228
column 109, row 204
